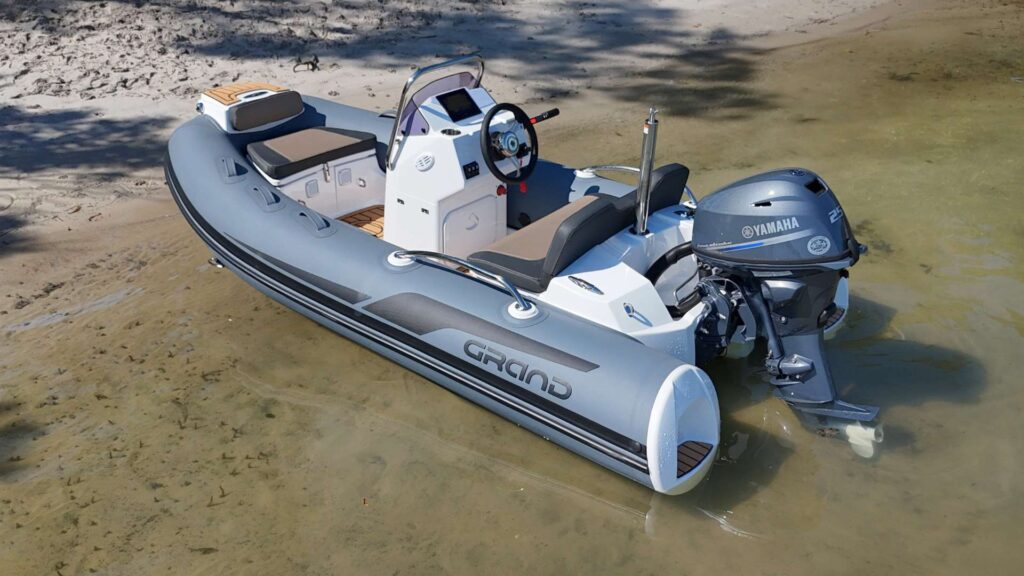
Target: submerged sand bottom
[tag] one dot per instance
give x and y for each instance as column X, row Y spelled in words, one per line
column 159, row 416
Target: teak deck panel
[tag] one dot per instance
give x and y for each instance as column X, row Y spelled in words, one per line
column 369, row 220
column 229, row 94
column 689, row 455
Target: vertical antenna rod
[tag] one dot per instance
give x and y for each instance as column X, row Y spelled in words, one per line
column 643, row 192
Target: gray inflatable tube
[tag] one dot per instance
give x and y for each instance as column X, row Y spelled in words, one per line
column 589, row 389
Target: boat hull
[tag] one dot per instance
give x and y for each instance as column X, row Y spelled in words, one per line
column 590, row 390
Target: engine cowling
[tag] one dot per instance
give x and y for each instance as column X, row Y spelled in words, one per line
column 778, row 219
column 779, row 242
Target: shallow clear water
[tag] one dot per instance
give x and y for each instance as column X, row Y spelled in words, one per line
column 196, row 426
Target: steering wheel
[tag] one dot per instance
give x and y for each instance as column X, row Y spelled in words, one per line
column 508, row 144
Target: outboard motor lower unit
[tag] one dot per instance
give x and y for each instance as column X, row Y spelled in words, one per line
column 773, row 250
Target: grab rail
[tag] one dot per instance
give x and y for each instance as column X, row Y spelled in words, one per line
column 428, row 258
column 609, row 168
column 689, row 193
column 416, row 75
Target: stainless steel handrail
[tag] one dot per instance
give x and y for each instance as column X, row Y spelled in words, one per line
column 631, row 170
column 427, row 257
column 416, row 75
column 610, row 168
column 689, row 193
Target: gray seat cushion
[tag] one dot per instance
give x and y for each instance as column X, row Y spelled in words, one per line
column 292, row 153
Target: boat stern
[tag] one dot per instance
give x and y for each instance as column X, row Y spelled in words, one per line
column 684, row 431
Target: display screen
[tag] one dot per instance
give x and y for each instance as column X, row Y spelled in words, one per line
column 458, row 105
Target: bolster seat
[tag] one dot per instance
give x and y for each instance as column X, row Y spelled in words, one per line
column 292, row 153
column 531, row 256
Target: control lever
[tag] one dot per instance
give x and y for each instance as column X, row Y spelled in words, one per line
column 544, row 116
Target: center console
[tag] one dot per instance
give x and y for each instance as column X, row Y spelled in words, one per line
column 439, row 195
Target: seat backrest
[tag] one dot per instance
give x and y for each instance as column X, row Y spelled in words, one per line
column 606, row 216
column 667, row 185
column 594, row 223
column 266, row 110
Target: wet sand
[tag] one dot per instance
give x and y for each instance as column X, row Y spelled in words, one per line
column 159, row 416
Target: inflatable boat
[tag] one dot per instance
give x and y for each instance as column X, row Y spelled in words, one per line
column 572, row 304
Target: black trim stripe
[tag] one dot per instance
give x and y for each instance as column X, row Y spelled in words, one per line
column 422, row 315
column 589, row 433
column 347, row 294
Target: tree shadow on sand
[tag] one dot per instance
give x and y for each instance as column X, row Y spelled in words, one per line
column 12, row 236
column 665, row 58
column 15, row 434
column 709, row 81
column 33, row 141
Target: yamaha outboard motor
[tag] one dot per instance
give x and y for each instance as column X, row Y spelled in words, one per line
column 773, row 248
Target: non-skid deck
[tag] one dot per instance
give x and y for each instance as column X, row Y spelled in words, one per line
column 689, row 455
column 369, row 220
column 229, row 94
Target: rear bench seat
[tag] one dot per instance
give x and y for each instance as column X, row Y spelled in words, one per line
column 292, row 153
